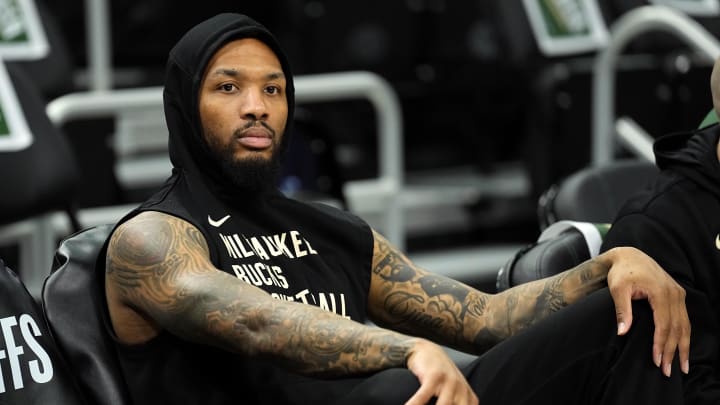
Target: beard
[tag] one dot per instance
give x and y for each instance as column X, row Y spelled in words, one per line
column 252, row 174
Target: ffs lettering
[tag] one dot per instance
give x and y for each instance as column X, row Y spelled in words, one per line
column 41, row 370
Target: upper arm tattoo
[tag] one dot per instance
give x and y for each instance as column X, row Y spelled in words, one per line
column 149, row 259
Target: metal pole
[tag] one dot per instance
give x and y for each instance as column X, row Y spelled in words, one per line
column 625, row 29
column 98, row 44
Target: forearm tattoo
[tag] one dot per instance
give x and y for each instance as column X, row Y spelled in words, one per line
column 160, row 267
column 409, row 299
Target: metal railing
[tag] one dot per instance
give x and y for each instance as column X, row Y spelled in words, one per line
column 37, row 236
column 628, row 27
column 386, row 188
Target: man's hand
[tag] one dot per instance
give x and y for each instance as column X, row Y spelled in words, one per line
column 634, row 275
column 439, row 377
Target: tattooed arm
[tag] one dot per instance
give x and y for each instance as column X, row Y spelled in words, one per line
column 412, row 300
column 159, row 277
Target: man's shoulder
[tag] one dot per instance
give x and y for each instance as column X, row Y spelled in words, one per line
column 146, row 218
column 662, row 198
column 151, row 224
column 335, row 212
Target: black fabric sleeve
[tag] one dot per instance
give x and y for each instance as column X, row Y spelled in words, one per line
column 643, row 232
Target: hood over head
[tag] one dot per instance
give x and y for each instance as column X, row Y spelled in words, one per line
column 184, row 74
column 694, row 154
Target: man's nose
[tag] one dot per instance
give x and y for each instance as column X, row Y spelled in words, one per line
column 254, row 105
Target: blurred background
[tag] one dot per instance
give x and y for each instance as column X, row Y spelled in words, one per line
column 490, row 120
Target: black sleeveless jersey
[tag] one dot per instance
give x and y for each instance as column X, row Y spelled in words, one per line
column 296, row 251
column 309, row 253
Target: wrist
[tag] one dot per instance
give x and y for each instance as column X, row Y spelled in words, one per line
column 415, row 345
column 608, row 259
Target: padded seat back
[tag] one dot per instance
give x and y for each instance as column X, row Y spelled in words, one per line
column 74, row 300
column 43, row 177
column 560, row 247
column 594, row 194
column 31, row 368
column 59, row 79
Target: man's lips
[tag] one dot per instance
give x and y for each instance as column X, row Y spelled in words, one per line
column 255, row 138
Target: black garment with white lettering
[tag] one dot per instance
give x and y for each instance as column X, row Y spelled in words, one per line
column 308, row 253
column 294, row 251
column 32, row 370
column 676, row 221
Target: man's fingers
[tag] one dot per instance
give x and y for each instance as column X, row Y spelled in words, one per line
column 438, row 376
column 622, row 297
column 661, row 311
column 684, row 343
column 457, row 395
column 422, row 396
column 667, row 299
column 684, row 349
column 677, row 340
column 670, row 348
column 664, row 346
column 680, row 330
column 446, row 398
column 672, row 331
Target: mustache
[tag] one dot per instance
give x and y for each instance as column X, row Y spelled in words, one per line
column 254, row 123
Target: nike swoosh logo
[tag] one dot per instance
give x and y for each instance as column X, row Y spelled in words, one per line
column 219, row 222
column 717, row 241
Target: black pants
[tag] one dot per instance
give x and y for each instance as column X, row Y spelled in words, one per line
column 573, row 357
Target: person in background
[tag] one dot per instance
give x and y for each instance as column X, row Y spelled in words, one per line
column 676, row 220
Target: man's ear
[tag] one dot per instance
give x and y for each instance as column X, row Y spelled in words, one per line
column 715, row 86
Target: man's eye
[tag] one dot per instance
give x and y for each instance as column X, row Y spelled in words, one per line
column 227, row 87
column 272, row 90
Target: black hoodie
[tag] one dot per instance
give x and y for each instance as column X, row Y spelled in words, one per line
column 677, row 222
column 294, row 251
